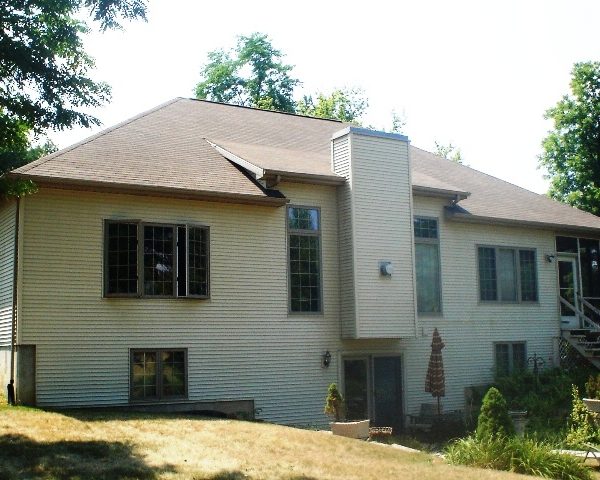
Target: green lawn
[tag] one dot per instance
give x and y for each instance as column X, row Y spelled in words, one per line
column 110, row 445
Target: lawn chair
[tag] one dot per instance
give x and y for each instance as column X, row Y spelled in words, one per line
column 425, row 419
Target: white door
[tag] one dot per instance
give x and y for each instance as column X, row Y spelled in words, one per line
column 568, row 288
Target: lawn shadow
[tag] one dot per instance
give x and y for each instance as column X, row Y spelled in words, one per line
column 237, row 475
column 108, row 414
column 22, row 457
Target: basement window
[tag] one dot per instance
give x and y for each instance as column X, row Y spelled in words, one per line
column 169, row 261
column 510, row 358
column 158, row 374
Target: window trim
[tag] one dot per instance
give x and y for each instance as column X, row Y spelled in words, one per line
column 140, row 260
column 159, row 398
column 313, row 233
column 519, row 299
column 429, row 241
column 511, row 367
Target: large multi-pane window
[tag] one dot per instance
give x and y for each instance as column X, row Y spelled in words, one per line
column 510, row 358
column 169, row 261
column 507, row 274
column 304, row 243
column 158, row 374
column 427, row 265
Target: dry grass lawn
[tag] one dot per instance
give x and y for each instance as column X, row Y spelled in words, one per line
column 110, row 445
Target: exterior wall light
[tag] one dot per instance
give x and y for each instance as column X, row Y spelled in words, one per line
column 550, row 257
column 326, row 359
column 386, row 268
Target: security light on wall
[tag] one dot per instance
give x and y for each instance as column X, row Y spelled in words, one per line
column 386, row 268
column 326, row 359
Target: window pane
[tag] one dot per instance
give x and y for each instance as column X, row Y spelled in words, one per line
column 143, row 375
column 425, row 228
column 528, row 275
column 590, row 273
column 198, row 261
column 427, row 266
column 121, row 258
column 502, row 359
column 305, row 282
column 181, row 262
column 487, row 274
column 303, row 218
column 158, row 260
column 507, row 275
column 566, row 244
column 173, row 373
column 356, row 394
column 518, row 356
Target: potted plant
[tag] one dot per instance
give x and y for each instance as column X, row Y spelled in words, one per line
column 592, row 390
column 334, row 406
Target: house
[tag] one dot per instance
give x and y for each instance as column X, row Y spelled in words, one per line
column 210, row 256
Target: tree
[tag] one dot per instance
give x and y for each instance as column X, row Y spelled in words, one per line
column 347, row 105
column 571, row 151
column 449, row 152
column 494, row 420
column 252, row 74
column 44, row 81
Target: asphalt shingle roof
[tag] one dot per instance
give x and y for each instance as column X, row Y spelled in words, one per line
column 173, row 147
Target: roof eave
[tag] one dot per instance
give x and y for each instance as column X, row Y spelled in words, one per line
column 440, row 192
column 509, row 222
column 273, row 177
column 152, row 190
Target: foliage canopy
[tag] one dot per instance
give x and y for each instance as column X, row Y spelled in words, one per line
column 44, row 70
column 571, row 151
column 252, row 74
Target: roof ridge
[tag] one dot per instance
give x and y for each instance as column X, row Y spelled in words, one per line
column 91, row 138
column 300, row 115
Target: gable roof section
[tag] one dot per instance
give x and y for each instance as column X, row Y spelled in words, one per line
column 201, row 149
column 497, row 201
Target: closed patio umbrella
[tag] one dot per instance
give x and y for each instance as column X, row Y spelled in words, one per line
column 435, row 382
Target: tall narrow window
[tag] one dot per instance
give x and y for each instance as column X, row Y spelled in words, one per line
column 427, row 265
column 304, row 259
column 174, row 261
column 121, row 258
column 507, row 274
column 159, row 247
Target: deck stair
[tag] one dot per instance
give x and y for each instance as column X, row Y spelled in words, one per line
column 585, row 340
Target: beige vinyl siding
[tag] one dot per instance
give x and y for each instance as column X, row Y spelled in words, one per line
column 7, row 255
column 382, row 231
column 469, row 327
column 342, row 166
column 242, row 344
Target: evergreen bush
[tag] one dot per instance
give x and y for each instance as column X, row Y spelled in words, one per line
column 334, row 403
column 494, row 421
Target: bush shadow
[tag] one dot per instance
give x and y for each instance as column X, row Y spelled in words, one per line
column 23, row 457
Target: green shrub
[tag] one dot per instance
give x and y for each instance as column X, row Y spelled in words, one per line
column 334, row 403
column 581, row 424
column 592, row 387
column 493, row 419
column 517, row 455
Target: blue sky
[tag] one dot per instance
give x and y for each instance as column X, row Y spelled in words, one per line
column 478, row 74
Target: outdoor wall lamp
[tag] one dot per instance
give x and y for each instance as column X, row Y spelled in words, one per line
column 326, row 359
column 550, row 257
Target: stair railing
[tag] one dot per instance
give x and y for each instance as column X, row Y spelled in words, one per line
column 585, row 321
